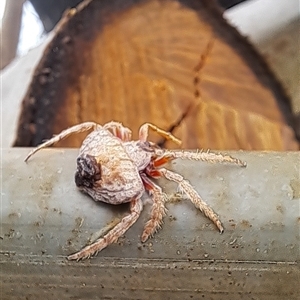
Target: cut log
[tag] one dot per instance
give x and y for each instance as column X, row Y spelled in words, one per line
column 134, row 62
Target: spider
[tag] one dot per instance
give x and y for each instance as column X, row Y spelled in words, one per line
column 113, row 168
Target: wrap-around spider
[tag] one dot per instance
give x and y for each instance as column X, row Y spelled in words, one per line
column 115, row 169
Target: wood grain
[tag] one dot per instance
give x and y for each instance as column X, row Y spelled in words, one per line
column 134, row 61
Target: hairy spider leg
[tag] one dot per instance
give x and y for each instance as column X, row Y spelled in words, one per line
column 159, row 161
column 65, row 133
column 186, row 187
column 144, row 130
column 158, row 210
column 118, row 130
column 168, row 155
column 165, row 156
column 136, row 206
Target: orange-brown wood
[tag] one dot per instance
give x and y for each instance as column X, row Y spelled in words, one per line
column 135, row 64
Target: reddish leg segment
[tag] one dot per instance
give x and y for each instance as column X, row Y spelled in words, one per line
column 136, row 206
column 198, row 155
column 162, row 160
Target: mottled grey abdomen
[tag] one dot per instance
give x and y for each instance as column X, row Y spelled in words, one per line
column 120, row 180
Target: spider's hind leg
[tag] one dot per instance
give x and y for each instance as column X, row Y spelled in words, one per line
column 136, row 206
column 65, row 133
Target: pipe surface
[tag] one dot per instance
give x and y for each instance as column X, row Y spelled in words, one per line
column 45, row 218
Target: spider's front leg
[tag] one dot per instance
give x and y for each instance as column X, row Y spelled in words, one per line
column 144, row 130
column 136, row 207
column 185, row 186
column 199, row 155
column 65, row 133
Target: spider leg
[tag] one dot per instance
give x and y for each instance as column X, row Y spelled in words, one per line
column 159, row 161
column 185, row 186
column 199, row 155
column 144, row 129
column 158, row 210
column 136, row 206
column 65, row 133
column 118, row 130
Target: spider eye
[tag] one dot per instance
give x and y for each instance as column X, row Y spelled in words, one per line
column 88, row 171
